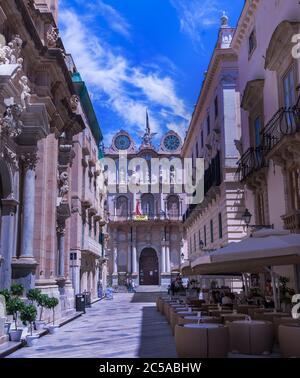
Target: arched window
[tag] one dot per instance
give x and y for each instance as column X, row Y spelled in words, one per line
column 173, row 206
column 148, row 204
column 122, row 206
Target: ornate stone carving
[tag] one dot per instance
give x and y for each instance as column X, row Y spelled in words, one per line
column 29, row 160
column 10, row 157
column 52, row 36
column 63, row 184
column 60, row 227
column 74, row 103
column 10, row 54
column 25, row 90
column 10, row 123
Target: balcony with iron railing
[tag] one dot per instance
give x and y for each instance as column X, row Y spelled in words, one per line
column 149, row 216
column 285, row 122
column 292, row 221
column 251, row 161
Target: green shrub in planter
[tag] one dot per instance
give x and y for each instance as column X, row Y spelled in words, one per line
column 33, row 295
column 17, row 290
column 42, row 302
column 6, row 294
column 13, row 307
column 51, row 303
column 28, row 315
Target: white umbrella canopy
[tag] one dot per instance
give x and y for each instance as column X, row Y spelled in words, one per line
column 259, row 247
column 252, row 254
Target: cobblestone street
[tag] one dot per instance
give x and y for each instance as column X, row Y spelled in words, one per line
column 127, row 326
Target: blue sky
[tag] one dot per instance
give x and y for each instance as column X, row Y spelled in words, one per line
column 143, row 54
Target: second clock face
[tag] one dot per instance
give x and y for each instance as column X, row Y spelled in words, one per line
column 122, row 142
column 172, row 142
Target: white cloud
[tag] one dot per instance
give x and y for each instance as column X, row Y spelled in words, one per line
column 195, row 15
column 124, row 88
column 115, row 20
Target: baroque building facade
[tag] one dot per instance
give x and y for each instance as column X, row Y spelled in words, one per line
column 49, row 166
column 145, row 228
column 215, row 126
column 270, row 111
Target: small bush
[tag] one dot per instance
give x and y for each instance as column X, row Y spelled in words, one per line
column 28, row 315
column 17, row 289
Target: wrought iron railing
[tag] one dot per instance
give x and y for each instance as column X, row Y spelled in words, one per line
column 285, row 122
column 171, row 216
column 252, row 161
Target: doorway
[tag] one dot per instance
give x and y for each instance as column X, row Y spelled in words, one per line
column 148, row 267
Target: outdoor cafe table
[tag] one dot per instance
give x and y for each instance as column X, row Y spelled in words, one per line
column 219, row 312
column 270, row 316
column 253, row 337
column 232, row 317
column 205, row 340
column 289, row 340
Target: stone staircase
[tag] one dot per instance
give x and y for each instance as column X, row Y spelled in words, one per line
column 150, row 289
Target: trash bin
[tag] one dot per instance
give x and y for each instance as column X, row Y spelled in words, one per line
column 88, row 300
column 80, row 302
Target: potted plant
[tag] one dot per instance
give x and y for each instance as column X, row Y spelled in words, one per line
column 33, row 295
column 17, row 290
column 41, row 301
column 28, row 315
column 6, row 294
column 51, row 303
column 13, row 307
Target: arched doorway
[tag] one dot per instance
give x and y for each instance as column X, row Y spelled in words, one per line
column 148, row 267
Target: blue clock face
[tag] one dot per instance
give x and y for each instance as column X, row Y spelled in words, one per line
column 171, row 142
column 122, row 142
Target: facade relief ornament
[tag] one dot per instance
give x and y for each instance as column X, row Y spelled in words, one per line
column 10, row 123
column 10, row 157
column 63, row 184
column 61, row 227
column 10, row 53
column 29, row 160
column 52, row 36
column 25, row 94
column 74, row 103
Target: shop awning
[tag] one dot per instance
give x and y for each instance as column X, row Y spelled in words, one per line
column 253, row 254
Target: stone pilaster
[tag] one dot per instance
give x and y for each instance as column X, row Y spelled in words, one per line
column 8, row 213
column 24, row 266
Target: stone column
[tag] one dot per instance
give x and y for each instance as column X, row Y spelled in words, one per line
column 134, row 253
column 7, row 240
column 168, row 262
column 129, row 265
column 115, row 260
column 61, row 249
column 30, row 160
column 163, row 258
column 24, row 266
column 134, row 259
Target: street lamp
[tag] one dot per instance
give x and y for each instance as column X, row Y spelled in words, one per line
column 201, row 244
column 246, row 217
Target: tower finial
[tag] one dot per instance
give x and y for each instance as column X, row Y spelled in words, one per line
column 147, row 138
column 224, row 20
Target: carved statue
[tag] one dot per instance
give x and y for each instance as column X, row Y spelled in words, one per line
column 52, row 36
column 147, row 138
column 10, row 123
column 64, row 184
column 74, row 103
column 25, row 90
column 10, row 54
